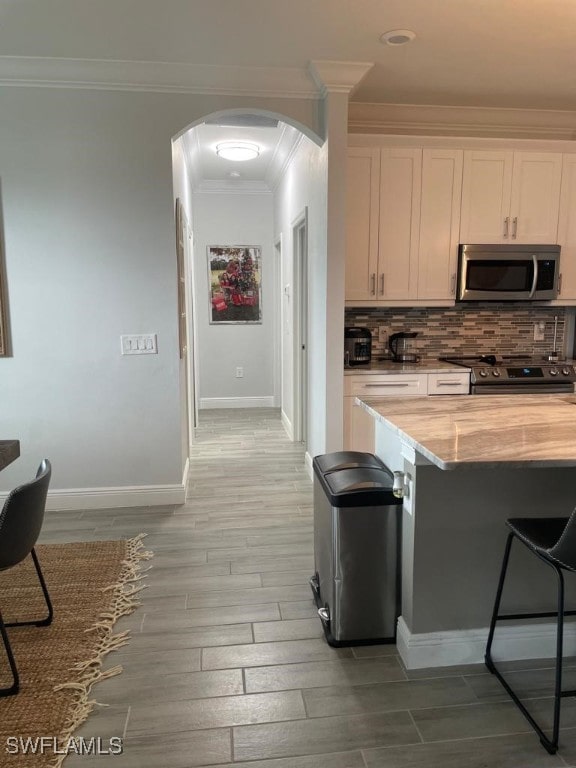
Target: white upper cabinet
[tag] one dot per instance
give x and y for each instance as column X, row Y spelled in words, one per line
column 439, row 223
column 510, row 197
column 409, row 208
column 567, row 232
column 400, row 182
column 402, row 225
column 535, row 198
column 362, row 216
column 486, row 187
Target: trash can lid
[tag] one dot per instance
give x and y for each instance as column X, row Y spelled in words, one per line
column 360, row 487
column 329, row 462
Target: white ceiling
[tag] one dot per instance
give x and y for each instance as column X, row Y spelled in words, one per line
column 211, row 166
column 512, row 54
column 499, row 53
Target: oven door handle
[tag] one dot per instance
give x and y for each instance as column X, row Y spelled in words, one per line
column 535, row 278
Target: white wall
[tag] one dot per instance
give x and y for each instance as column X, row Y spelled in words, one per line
column 234, row 219
column 304, row 185
column 87, row 206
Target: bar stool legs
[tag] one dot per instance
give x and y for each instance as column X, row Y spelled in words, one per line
column 550, row 744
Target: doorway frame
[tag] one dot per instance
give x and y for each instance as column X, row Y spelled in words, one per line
column 300, row 324
column 279, row 321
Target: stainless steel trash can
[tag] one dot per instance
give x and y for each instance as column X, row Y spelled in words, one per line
column 356, row 548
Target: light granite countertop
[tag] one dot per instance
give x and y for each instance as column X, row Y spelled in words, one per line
column 386, row 367
column 458, row 431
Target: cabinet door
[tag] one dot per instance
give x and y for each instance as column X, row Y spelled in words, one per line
column 449, row 383
column 362, row 223
column 439, row 223
column 486, row 189
column 567, row 231
column 535, row 197
column 360, row 433
column 400, row 181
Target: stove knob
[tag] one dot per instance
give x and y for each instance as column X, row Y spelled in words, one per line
column 495, row 372
column 553, row 372
column 482, row 373
column 566, row 371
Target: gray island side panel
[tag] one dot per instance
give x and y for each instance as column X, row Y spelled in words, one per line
column 454, row 534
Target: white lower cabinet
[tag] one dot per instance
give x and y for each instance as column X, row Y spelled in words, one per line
column 448, row 383
column 359, row 425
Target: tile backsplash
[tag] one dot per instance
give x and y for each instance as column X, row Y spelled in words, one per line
column 478, row 328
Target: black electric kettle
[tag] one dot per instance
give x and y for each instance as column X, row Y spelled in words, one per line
column 402, row 347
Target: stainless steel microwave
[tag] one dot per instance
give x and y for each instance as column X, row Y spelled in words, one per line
column 508, row 272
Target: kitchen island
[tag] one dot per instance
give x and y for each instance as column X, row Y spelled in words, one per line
column 470, row 463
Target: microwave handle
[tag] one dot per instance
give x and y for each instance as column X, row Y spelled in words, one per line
column 535, row 278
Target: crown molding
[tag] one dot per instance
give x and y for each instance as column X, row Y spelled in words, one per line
column 232, row 187
column 338, row 76
column 431, row 120
column 162, row 76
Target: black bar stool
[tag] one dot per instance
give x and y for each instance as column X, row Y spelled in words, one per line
column 553, row 540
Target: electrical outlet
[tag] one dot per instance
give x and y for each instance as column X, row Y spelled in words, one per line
column 382, row 334
column 539, row 329
column 239, row 372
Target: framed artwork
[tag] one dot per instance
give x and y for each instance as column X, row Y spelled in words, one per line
column 235, row 280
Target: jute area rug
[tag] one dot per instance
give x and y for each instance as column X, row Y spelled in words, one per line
column 91, row 585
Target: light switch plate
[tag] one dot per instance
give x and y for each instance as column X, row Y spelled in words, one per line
column 139, row 344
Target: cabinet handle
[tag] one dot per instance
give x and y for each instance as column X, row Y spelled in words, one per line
column 393, row 384
column 515, row 226
column 448, row 383
column 453, row 284
column 373, row 279
column 506, row 225
column 560, row 283
column 382, row 284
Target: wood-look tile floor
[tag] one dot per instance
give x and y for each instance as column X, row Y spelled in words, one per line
column 228, row 665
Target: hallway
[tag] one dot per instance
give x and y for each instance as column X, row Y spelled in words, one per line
column 227, row 661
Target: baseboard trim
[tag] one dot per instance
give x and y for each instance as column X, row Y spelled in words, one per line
column 209, row 403
column 308, row 464
column 514, row 642
column 185, row 475
column 106, row 498
column 121, row 496
column 287, row 424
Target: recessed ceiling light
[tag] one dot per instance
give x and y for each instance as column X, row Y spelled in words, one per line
column 237, row 150
column 397, row 37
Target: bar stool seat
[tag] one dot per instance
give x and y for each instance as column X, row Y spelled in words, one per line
column 553, row 541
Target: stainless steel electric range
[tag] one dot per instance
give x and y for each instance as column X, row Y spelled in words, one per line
column 516, row 375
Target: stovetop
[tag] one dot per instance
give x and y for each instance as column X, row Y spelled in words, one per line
column 514, row 369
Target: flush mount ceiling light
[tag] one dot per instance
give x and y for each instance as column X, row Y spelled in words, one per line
column 237, row 150
column 397, row 37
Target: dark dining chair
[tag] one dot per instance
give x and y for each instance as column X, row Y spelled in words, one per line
column 20, row 524
column 553, row 541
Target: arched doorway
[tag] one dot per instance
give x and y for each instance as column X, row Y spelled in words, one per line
column 216, row 360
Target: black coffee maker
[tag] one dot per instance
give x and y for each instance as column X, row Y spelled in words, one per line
column 357, row 346
column 402, row 347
